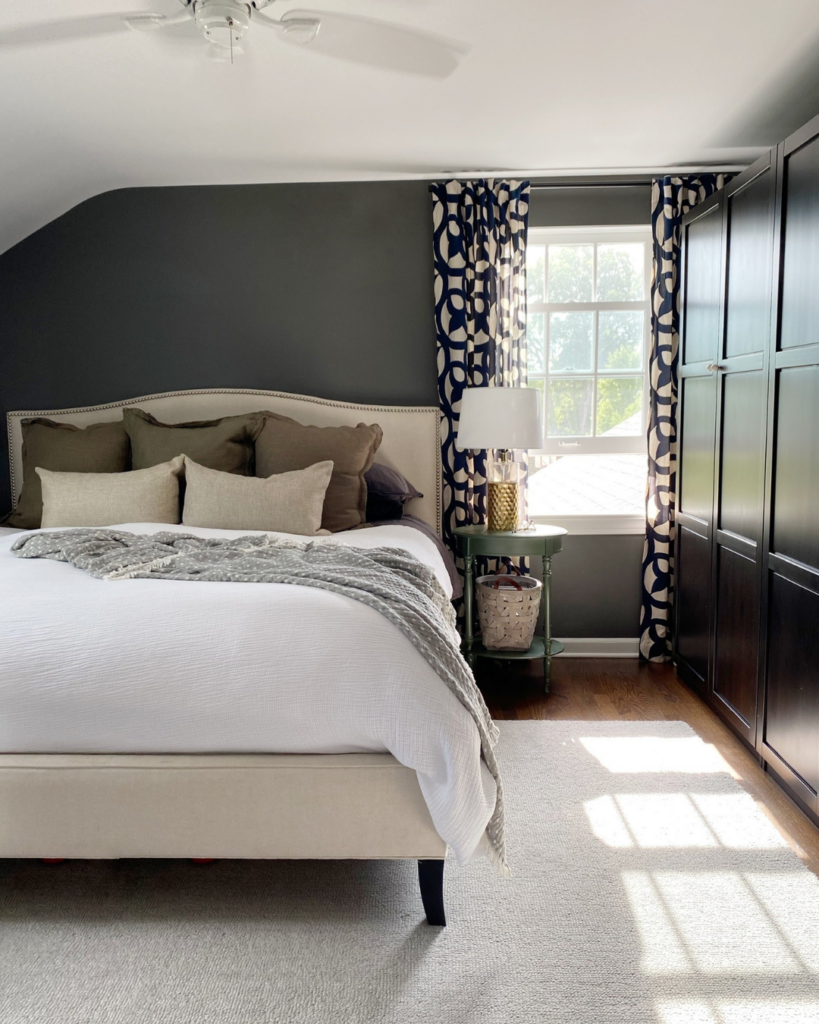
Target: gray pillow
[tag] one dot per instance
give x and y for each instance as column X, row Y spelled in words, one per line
column 64, row 448
column 388, row 491
column 282, row 503
column 104, row 499
column 225, row 444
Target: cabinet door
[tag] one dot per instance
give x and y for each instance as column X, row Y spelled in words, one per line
column 742, row 398
column 790, row 741
column 700, row 340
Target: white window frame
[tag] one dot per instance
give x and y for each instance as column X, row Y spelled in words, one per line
column 600, row 524
column 577, row 236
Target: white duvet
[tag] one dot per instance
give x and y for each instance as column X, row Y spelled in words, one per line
column 163, row 666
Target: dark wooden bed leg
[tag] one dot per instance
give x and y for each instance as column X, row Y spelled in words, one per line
column 431, row 880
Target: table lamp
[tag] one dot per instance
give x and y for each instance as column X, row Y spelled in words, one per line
column 501, row 419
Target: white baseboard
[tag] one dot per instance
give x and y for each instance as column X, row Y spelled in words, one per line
column 600, row 647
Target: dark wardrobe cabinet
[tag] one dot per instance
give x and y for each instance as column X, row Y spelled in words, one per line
column 746, row 631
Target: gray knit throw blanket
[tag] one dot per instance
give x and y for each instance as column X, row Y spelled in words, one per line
column 390, row 580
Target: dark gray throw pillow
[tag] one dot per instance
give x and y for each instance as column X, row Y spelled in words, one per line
column 225, row 444
column 63, row 448
column 388, row 491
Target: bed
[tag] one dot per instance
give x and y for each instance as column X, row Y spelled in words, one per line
column 160, row 719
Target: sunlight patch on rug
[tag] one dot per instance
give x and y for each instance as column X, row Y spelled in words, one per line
column 641, row 754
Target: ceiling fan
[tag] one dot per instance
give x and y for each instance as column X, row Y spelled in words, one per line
column 224, row 24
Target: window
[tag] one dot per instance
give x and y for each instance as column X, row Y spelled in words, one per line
column 587, row 337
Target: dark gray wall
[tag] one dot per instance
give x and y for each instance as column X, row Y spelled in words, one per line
column 317, row 288
column 596, row 587
column 596, row 580
column 324, row 289
column 575, row 207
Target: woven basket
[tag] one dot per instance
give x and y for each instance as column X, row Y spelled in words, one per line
column 508, row 608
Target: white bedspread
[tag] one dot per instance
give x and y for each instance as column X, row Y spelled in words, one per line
column 161, row 666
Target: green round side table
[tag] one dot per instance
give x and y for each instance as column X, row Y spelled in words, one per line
column 541, row 541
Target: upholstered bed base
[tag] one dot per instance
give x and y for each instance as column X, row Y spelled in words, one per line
column 247, row 806
column 365, row 806
column 213, row 805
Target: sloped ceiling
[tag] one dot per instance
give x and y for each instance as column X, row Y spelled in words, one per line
column 548, row 87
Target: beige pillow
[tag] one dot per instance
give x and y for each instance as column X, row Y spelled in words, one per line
column 283, row 503
column 284, row 445
column 102, row 499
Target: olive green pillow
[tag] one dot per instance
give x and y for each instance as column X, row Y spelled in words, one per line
column 225, row 444
column 63, row 448
column 285, row 445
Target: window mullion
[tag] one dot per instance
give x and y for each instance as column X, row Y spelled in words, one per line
column 581, row 307
column 595, row 364
column 545, row 398
column 596, row 317
column 546, row 374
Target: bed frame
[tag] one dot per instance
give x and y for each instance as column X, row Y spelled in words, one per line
column 259, row 806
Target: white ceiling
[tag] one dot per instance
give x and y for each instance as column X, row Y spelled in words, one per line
column 549, row 86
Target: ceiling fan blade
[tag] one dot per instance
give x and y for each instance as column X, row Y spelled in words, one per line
column 66, row 29
column 150, row 22
column 300, row 30
column 366, row 41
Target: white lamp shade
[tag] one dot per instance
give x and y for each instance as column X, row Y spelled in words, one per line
column 500, row 418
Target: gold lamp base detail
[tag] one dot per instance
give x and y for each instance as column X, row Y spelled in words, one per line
column 502, row 505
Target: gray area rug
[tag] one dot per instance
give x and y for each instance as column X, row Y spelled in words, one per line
column 648, row 887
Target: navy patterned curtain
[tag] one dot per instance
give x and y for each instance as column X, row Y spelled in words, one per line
column 479, row 249
column 671, row 199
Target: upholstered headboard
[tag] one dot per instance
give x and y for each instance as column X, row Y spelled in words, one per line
column 410, row 442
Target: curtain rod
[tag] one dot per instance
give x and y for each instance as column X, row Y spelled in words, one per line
column 641, row 183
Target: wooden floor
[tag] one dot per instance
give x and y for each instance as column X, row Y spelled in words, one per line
column 624, row 690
